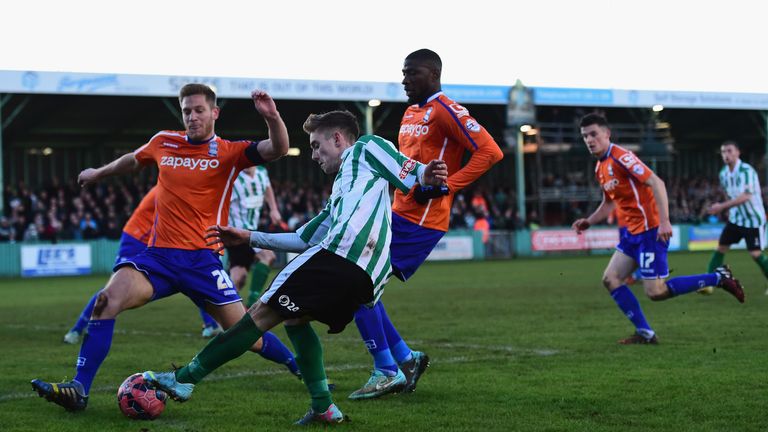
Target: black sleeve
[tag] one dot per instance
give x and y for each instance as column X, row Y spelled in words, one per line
column 253, row 155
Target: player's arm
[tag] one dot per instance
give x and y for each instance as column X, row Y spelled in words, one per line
column 600, row 214
column 485, row 152
column 662, row 204
column 277, row 145
column 227, row 236
column 401, row 171
column 720, row 207
column 123, row 165
column 274, row 211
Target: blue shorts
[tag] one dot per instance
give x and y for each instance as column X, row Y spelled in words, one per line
column 649, row 253
column 198, row 274
column 130, row 246
column 411, row 244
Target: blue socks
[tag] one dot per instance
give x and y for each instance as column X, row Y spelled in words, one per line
column 684, row 284
column 397, row 346
column 208, row 320
column 94, row 350
column 273, row 349
column 369, row 324
column 627, row 302
column 85, row 315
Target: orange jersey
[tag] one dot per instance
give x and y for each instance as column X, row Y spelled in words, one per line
column 622, row 176
column 139, row 224
column 443, row 129
column 193, row 186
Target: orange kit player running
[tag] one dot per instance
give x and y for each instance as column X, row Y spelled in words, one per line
column 433, row 127
column 196, row 170
column 640, row 198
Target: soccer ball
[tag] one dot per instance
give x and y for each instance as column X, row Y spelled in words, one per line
column 139, row 401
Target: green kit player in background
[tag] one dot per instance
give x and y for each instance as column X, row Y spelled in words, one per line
column 746, row 213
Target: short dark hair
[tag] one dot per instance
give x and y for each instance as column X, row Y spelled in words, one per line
column 731, row 143
column 428, row 57
column 593, row 118
column 343, row 120
column 198, row 89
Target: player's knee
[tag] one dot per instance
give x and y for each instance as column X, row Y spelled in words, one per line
column 658, row 296
column 102, row 301
column 610, row 281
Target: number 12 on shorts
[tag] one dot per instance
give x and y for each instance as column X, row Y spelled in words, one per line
column 646, row 259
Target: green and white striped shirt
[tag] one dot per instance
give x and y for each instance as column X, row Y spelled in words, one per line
column 356, row 222
column 247, row 199
column 751, row 213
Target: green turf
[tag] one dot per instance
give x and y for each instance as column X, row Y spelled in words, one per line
column 526, row 345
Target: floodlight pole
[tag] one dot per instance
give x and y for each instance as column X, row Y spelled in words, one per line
column 520, row 171
column 368, row 119
column 765, row 120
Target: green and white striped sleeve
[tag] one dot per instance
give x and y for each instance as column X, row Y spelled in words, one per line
column 395, row 167
column 316, row 229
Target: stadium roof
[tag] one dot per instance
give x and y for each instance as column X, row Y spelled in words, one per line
column 37, row 82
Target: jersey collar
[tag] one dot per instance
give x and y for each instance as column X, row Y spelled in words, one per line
column 431, row 98
column 607, row 153
column 205, row 141
column 735, row 167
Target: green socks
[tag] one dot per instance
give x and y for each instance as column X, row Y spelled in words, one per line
column 225, row 347
column 309, row 358
column 715, row 262
column 259, row 275
column 762, row 262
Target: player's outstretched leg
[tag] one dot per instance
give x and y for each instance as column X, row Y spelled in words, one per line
column 686, row 284
column 714, row 262
column 167, row 382
column 309, row 357
column 227, row 346
column 73, row 335
column 730, row 284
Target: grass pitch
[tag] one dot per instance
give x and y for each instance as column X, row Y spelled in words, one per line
column 527, row 344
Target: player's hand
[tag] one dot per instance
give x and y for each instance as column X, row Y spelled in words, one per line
column 436, row 173
column 87, row 176
column 715, row 208
column 264, row 104
column 226, row 236
column 665, row 231
column 581, row 225
column 422, row 194
column 275, row 216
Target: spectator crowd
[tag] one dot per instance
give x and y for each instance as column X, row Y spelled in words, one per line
column 64, row 211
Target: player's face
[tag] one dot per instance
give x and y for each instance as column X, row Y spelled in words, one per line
column 597, row 138
column 199, row 117
column 419, row 81
column 730, row 154
column 326, row 149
